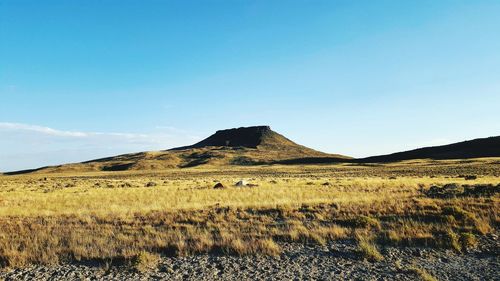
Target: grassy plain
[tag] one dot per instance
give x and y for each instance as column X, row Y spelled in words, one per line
column 130, row 216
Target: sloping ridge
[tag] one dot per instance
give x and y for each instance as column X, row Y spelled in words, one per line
column 261, row 145
column 477, row 148
column 238, row 146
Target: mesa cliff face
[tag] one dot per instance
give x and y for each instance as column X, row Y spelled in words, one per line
column 249, row 137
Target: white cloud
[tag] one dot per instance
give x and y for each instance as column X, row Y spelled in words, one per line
column 24, row 146
column 60, row 133
column 40, row 129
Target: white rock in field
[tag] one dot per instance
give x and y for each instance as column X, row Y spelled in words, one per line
column 241, row 183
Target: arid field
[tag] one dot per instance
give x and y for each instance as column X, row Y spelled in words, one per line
column 229, row 140
column 134, row 219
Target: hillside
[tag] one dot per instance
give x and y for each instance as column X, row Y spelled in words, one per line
column 477, row 148
column 239, row 146
column 261, row 145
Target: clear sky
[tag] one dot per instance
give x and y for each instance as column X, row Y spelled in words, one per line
column 87, row 79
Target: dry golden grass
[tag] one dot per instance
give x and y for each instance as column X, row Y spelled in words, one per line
column 422, row 273
column 56, row 218
column 367, row 248
column 145, row 261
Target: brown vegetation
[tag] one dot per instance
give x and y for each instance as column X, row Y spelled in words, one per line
column 120, row 217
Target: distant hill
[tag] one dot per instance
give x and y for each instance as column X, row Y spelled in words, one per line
column 260, row 145
column 477, row 148
column 239, row 146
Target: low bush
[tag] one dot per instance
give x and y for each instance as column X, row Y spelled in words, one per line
column 145, row 261
column 468, row 241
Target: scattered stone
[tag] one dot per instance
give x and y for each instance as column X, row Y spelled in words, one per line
column 241, row 183
column 297, row 262
column 150, row 184
column 450, row 190
column 219, row 186
column 453, row 190
column 125, row 184
column 417, row 253
column 468, row 177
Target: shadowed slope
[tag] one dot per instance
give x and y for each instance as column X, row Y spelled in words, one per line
column 477, row 148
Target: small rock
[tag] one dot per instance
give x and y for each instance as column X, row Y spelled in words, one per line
column 241, row 183
column 150, row 184
column 445, row 260
column 219, row 186
column 125, row 184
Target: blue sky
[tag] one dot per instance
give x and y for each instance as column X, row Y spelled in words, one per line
column 86, row 79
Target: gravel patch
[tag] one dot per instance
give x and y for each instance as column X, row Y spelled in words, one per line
column 335, row 261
